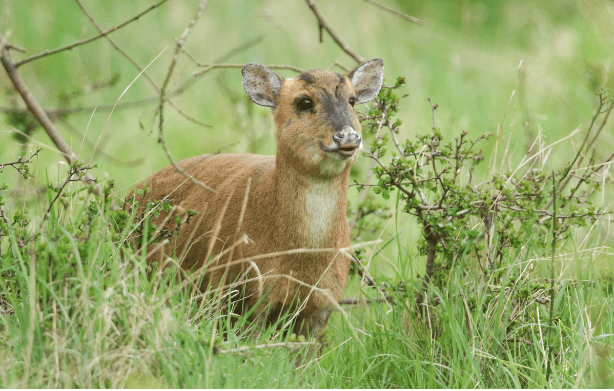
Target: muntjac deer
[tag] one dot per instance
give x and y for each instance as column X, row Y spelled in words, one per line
column 296, row 199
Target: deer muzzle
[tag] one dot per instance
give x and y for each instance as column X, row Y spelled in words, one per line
column 345, row 142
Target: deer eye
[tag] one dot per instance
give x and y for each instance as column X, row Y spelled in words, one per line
column 353, row 101
column 305, row 104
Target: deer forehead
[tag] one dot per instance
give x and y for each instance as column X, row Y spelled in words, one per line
column 316, row 84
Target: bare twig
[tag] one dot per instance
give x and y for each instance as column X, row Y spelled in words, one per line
column 63, row 111
column 366, row 276
column 4, row 44
column 433, row 108
column 171, row 68
column 579, row 156
column 395, row 140
column 340, row 65
column 34, row 107
column 323, row 24
column 549, row 331
column 80, row 172
column 363, row 197
column 432, row 239
column 395, row 12
column 98, row 151
column 133, row 62
column 91, row 19
column 90, row 39
column 13, row 47
column 20, row 162
column 188, row 83
column 236, row 50
column 208, row 67
column 603, row 123
column 598, row 112
column 8, row 227
column 124, row 92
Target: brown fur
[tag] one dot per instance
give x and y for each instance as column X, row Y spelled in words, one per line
column 297, row 199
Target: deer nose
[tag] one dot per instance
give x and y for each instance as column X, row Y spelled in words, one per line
column 347, row 136
column 347, row 139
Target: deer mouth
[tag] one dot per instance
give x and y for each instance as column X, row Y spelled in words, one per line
column 343, row 151
column 347, row 150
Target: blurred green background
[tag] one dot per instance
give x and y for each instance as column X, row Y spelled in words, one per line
column 466, row 57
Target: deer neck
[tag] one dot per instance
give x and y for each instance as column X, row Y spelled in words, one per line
column 311, row 210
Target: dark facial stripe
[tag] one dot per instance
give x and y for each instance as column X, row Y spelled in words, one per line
column 336, row 110
column 341, row 78
column 307, row 78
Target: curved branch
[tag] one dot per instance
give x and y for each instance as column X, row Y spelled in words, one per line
column 35, row 108
column 133, row 62
column 167, row 79
column 208, row 67
column 87, row 40
column 323, row 23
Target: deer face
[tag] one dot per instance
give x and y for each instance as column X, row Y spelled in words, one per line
column 317, row 130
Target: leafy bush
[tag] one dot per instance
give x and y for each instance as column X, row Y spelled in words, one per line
column 463, row 218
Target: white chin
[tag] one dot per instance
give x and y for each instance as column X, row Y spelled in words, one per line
column 333, row 163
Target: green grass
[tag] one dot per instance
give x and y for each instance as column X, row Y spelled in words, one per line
column 80, row 310
column 87, row 316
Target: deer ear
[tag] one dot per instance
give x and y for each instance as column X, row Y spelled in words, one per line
column 261, row 84
column 367, row 79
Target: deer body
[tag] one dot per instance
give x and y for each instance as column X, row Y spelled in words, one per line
column 296, row 199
